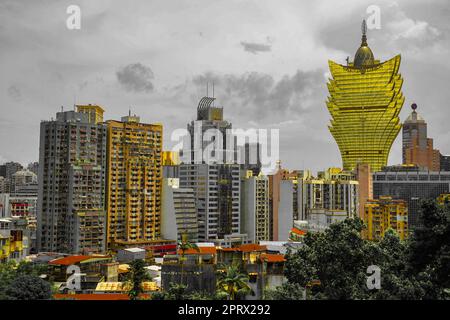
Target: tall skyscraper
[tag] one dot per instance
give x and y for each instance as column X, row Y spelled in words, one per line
column 417, row 147
column 214, row 178
column 365, row 101
column 133, row 193
column 71, row 196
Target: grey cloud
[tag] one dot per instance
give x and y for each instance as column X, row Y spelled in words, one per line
column 259, row 96
column 14, row 92
column 255, row 47
column 136, row 77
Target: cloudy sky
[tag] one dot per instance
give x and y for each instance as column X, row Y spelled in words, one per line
column 268, row 59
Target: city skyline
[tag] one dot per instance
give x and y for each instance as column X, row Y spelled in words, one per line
column 257, row 67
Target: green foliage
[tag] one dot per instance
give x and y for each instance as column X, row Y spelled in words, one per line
column 22, row 281
column 28, row 287
column 233, row 282
column 333, row 264
column 136, row 276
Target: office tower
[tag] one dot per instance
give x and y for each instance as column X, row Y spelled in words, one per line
column 33, row 167
column 417, row 147
column 133, row 193
column 383, row 214
column 332, row 193
column 255, row 207
column 364, row 102
column 444, row 163
column 250, row 157
column 214, row 178
column 179, row 215
column 412, row 185
column 365, row 182
column 22, row 178
column 209, row 138
column 3, row 170
column 217, row 198
column 71, row 196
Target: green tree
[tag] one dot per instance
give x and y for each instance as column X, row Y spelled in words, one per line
column 185, row 245
column 429, row 250
column 28, row 287
column 136, row 276
column 233, row 282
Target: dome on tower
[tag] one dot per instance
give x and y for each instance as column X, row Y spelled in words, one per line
column 364, row 55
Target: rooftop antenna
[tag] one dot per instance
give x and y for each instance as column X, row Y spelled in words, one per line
column 213, row 93
column 62, row 108
column 364, row 32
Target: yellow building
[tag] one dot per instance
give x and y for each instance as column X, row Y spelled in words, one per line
column 444, row 198
column 364, row 102
column 383, row 214
column 134, row 182
column 95, row 112
column 170, row 158
column 12, row 246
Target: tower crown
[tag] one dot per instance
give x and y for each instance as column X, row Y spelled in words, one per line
column 364, row 56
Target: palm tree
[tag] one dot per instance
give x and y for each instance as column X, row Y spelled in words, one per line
column 184, row 245
column 233, row 282
column 136, row 276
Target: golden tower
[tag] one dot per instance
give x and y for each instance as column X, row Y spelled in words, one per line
column 364, row 102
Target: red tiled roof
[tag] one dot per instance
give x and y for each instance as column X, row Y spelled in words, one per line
column 67, row 261
column 252, row 247
column 298, row 231
column 202, row 250
column 272, row 257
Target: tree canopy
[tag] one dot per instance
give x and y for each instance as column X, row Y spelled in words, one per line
column 334, row 264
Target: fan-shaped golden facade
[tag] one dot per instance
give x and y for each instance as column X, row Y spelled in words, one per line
column 364, row 104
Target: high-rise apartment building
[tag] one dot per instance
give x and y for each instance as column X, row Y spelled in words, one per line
column 412, row 185
column 134, row 182
column 383, row 214
column 365, row 101
column 417, row 147
column 71, row 196
column 255, row 207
